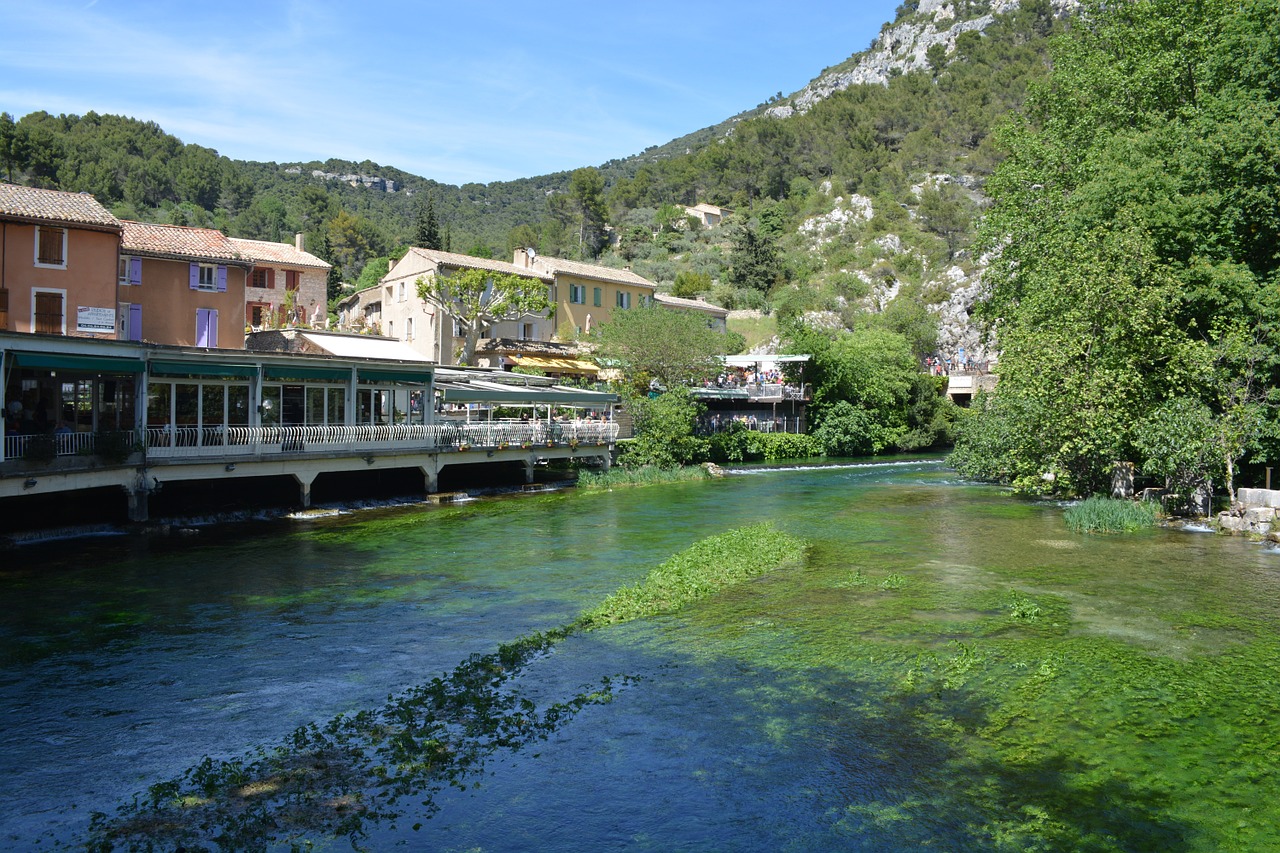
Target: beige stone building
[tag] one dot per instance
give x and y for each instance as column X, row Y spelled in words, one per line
column 286, row 285
column 585, row 295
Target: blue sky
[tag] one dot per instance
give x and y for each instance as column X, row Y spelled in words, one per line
column 457, row 92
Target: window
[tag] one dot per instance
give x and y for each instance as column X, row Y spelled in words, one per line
column 595, row 296
column 400, row 288
column 51, row 247
column 259, row 314
column 458, row 331
column 130, row 322
column 130, row 270
column 391, row 328
column 526, row 331
column 262, row 277
column 624, row 299
column 578, row 294
column 408, row 329
column 206, row 327
column 209, row 278
column 47, row 316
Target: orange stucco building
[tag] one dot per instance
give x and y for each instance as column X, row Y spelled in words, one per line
column 58, row 254
column 182, row 286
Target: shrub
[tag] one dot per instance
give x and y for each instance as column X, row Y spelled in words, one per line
column 742, row 445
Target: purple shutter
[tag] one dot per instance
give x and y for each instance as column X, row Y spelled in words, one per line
column 202, row 327
column 222, row 279
column 135, row 270
column 195, row 276
column 135, row 322
column 213, row 328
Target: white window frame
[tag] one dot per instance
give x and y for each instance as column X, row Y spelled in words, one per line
column 408, row 329
column 36, row 256
column 62, row 292
column 212, row 285
column 623, row 299
column 578, row 294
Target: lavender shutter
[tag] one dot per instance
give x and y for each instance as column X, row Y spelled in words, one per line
column 222, row 279
column 135, row 322
column 195, row 276
column 202, row 327
column 213, row 328
column 135, row 270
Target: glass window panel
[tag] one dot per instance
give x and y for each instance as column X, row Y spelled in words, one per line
column 238, row 405
column 337, row 399
column 187, row 404
column 270, row 405
column 211, row 397
column 315, row 406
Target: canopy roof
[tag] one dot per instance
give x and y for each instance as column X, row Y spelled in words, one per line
column 478, row 391
column 763, row 358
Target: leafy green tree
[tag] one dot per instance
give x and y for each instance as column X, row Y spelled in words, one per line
column 1130, row 216
column 754, row 260
column 12, row 146
column 586, row 193
column 665, row 430
column 689, row 284
column 478, row 298
column 426, row 230
column 654, row 343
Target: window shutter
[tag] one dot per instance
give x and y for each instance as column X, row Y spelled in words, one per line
column 222, row 279
column 135, row 322
column 202, row 327
column 195, row 276
column 135, row 270
column 213, row 328
column 271, row 278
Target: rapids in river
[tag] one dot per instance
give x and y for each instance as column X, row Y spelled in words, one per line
column 950, row 668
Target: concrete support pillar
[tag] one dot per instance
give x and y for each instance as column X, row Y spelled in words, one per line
column 138, row 509
column 608, row 460
column 304, row 487
column 430, row 478
column 528, row 470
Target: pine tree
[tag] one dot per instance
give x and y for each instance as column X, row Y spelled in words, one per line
column 426, row 233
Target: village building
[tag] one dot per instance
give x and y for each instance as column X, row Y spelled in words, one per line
column 287, row 284
column 717, row 317
column 585, row 295
column 708, row 215
column 181, row 286
column 58, row 262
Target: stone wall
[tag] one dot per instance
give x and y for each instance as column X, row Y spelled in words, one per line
column 1254, row 513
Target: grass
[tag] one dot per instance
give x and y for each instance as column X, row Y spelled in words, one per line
column 1106, row 515
column 645, row 476
column 755, row 330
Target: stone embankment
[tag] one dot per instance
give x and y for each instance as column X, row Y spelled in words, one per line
column 1254, row 514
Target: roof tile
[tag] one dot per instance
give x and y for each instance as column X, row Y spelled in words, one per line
column 178, row 241
column 265, row 252
column 34, row 204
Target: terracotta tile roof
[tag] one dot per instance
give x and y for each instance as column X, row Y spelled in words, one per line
column 452, row 259
column 179, row 243
column 559, row 266
column 284, row 254
column 36, row 205
column 690, row 304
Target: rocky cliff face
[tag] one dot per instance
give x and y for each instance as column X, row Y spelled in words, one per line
column 902, row 46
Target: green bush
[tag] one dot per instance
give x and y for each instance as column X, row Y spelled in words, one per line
column 743, row 445
column 1106, row 515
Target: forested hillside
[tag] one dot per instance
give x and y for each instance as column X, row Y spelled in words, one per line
column 877, row 141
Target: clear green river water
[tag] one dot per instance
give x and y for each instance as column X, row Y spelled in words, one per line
column 949, row 669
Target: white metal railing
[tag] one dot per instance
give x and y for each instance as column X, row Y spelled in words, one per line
column 206, row 442
column 192, row 442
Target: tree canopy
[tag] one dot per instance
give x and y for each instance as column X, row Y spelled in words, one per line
column 1136, row 218
column 478, row 298
column 652, row 342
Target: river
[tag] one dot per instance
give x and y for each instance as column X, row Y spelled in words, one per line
column 949, row 669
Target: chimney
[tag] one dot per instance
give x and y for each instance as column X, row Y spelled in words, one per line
column 299, row 241
column 524, row 258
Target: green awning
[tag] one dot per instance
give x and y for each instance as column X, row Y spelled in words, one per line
column 290, row 371
column 382, row 374
column 195, row 368
column 86, row 363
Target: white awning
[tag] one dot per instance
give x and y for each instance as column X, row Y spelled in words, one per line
column 363, row 346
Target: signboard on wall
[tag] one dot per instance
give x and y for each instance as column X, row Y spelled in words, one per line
column 97, row 321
